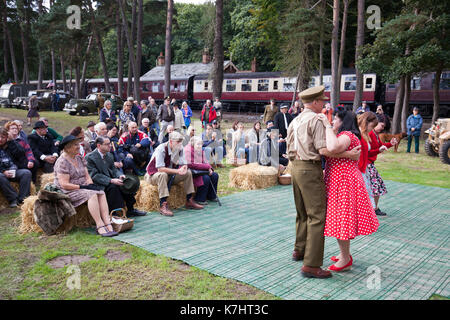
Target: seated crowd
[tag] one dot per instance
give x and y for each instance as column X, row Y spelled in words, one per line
column 101, row 164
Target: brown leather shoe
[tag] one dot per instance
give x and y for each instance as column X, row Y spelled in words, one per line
column 191, row 204
column 165, row 211
column 219, row 165
column 319, row 273
column 297, row 256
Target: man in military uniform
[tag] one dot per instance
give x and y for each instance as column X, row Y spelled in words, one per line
column 306, row 142
column 270, row 111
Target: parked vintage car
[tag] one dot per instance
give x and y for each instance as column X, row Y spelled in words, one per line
column 22, row 102
column 92, row 104
column 10, row 91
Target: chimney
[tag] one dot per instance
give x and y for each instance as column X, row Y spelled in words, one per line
column 205, row 56
column 161, row 60
column 254, row 64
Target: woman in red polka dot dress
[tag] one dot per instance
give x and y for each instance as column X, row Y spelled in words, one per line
column 349, row 210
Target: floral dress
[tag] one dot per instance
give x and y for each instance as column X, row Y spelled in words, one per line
column 77, row 176
column 349, row 210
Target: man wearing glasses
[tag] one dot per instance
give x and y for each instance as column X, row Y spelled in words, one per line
column 101, row 168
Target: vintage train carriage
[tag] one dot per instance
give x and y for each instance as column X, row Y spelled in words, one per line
column 251, row 90
column 422, row 95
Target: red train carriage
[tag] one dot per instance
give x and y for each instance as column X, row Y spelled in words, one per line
column 422, row 95
column 251, row 90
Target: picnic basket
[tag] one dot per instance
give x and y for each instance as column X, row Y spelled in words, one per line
column 120, row 223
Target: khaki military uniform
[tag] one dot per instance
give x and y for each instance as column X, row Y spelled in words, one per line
column 305, row 137
column 269, row 113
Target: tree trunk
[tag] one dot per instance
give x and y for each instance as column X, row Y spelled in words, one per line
column 119, row 56
column 168, row 54
column 129, row 43
column 5, row 55
column 41, row 57
column 218, row 51
column 77, row 81
column 405, row 109
column 321, row 42
column 398, row 106
column 296, row 85
column 132, row 58
column 70, row 81
column 359, row 45
column 10, row 43
column 334, row 55
column 63, row 73
column 101, row 54
column 53, row 69
column 83, row 74
column 26, row 71
column 436, row 96
column 137, row 75
column 342, row 49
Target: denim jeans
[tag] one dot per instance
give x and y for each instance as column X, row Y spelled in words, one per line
column 23, row 176
column 214, row 155
column 416, row 143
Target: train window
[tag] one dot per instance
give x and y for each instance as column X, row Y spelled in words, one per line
column 391, row 86
column 182, row 86
column 415, row 83
column 231, row 85
column 155, row 86
column 312, row 83
column 445, row 81
column 205, row 87
column 327, row 83
column 369, row 83
column 175, row 87
column 263, row 85
column 350, row 83
column 94, row 89
column 144, row 87
column 275, row 85
column 288, row 87
column 246, row 85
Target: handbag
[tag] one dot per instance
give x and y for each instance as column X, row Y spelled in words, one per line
column 199, row 172
column 120, row 223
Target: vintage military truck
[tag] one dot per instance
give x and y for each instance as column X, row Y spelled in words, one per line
column 438, row 141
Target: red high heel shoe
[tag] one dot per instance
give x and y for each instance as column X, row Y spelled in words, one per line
column 335, row 259
column 348, row 266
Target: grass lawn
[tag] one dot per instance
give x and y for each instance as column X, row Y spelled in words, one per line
column 113, row 265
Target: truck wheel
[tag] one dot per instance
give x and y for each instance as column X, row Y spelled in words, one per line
column 72, row 113
column 429, row 150
column 84, row 111
column 444, row 152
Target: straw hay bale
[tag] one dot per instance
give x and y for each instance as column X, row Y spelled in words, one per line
column 147, row 198
column 5, row 204
column 28, row 223
column 253, row 176
column 46, row 178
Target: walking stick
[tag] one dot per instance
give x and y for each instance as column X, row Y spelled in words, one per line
column 217, row 197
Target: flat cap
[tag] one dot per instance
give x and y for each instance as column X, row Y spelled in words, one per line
column 91, row 124
column 39, row 124
column 176, row 136
column 314, row 93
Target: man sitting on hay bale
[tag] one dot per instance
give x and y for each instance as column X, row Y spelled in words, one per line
column 9, row 170
column 43, row 146
column 100, row 165
column 168, row 166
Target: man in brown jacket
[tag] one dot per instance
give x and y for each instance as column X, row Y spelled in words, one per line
column 270, row 111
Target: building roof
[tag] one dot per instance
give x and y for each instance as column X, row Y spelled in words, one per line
column 181, row 71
